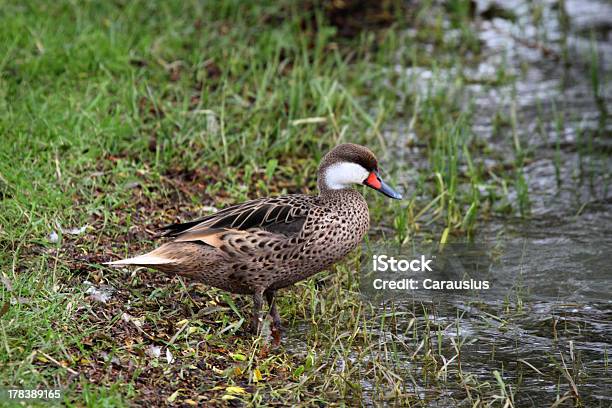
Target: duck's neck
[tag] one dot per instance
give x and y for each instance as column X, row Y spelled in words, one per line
column 343, row 199
column 335, row 192
column 340, row 176
column 325, row 191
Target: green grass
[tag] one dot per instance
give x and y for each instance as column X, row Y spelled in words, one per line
column 125, row 116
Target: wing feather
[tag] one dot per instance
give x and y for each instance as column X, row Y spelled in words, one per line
column 284, row 215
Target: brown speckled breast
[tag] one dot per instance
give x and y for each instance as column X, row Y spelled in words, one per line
column 330, row 232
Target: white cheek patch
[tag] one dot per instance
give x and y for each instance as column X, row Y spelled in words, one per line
column 341, row 175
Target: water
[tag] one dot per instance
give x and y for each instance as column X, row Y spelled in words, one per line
column 549, row 311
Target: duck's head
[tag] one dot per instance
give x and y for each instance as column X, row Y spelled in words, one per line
column 348, row 164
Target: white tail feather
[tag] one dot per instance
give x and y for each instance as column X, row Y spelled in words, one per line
column 146, row 259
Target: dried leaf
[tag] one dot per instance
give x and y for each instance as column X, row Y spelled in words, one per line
column 5, row 308
column 6, row 282
column 75, row 231
column 101, row 294
column 235, row 390
column 169, row 357
column 172, row 397
column 209, row 209
column 257, row 375
column 153, row 351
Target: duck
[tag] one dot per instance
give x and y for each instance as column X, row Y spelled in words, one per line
column 260, row 246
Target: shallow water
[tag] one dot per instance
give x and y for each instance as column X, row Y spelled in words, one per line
column 550, row 305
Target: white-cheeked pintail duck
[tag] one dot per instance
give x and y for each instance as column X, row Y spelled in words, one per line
column 266, row 244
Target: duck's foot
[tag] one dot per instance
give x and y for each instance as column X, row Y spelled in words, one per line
column 277, row 326
column 276, row 320
column 257, row 320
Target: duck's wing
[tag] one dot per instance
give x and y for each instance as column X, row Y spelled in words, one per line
column 283, row 215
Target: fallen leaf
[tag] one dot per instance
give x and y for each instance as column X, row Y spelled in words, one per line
column 237, row 356
column 232, row 389
column 74, row 231
column 172, row 397
column 5, row 308
column 101, row 294
column 153, row 351
column 309, row 362
column 169, row 356
column 137, row 321
column 298, row 371
column 53, row 237
column 6, row 282
column 257, row 375
column 20, row 300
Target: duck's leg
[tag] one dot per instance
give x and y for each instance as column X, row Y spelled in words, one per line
column 273, row 311
column 257, row 318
